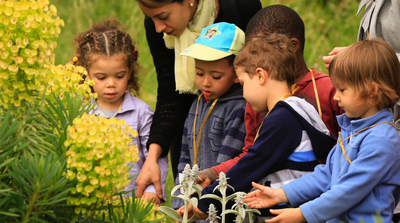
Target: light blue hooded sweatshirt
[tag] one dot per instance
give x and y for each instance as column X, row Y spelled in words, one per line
column 342, row 192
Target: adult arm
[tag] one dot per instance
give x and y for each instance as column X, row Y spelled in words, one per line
column 171, row 107
column 145, row 120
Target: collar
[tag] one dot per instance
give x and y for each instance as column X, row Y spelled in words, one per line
column 354, row 125
column 127, row 104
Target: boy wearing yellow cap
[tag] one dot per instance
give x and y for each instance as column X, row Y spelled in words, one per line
column 214, row 129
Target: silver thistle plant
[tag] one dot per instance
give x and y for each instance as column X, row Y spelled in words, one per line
column 189, row 185
column 240, row 208
column 212, row 214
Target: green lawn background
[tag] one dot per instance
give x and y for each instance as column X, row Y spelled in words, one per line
column 327, row 26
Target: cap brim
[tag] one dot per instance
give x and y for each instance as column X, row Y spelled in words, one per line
column 201, row 52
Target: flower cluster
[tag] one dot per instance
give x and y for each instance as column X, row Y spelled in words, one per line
column 99, row 151
column 69, row 78
column 212, row 214
column 26, row 51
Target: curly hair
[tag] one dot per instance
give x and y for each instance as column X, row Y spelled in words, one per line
column 277, row 19
column 107, row 38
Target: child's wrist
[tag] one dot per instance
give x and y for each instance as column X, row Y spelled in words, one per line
column 282, row 198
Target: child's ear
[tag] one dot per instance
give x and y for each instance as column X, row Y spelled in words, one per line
column 374, row 91
column 296, row 44
column 261, row 75
column 236, row 81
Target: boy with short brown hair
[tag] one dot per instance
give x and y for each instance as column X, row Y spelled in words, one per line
column 291, row 136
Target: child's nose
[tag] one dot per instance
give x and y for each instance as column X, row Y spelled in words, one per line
column 110, row 83
column 336, row 97
column 206, row 81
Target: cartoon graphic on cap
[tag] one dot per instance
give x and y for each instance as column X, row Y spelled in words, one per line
column 211, row 32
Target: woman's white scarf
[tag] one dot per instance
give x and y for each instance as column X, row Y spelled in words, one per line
column 185, row 77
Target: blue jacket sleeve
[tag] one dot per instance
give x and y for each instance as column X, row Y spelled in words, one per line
column 279, row 136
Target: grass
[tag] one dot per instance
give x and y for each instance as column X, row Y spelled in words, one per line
column 335, row 24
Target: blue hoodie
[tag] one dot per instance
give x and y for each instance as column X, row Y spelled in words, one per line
column 344, row 192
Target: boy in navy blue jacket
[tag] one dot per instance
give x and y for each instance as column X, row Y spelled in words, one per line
column 292, row 135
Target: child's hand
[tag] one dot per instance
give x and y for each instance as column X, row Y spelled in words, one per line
column 288, row 215
column 208, row 176
column 199, row 214
column 148, row 196
column 181, row 211
column 265, row 197
column 328, row 59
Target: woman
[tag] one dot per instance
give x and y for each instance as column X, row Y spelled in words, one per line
column 171, row 26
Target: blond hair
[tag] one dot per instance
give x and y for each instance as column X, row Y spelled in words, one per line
column 366, row 65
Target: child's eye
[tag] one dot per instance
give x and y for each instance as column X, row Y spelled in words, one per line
column 101, row 78
column 217, row 78
column 199, row 74
column 120, row 77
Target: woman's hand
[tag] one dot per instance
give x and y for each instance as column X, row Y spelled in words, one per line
column 328, row 59
column 150, row 173
column 265, row 197
column 148, row 196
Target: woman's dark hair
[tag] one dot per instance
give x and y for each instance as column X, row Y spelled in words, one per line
column 158, row 3
column 107, row 38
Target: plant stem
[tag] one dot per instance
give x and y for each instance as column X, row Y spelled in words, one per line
column 31, row 204
column 250, row 217
column 185, row 214
column 223, row 208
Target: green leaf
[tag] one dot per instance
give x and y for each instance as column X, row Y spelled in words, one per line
column 192, row 219
column 9, row 214
column 194, row 201
column 230, row 197
column 198, row 189
column 212, row 196
column 175, row 189
column 171, row 213
column 253, row 211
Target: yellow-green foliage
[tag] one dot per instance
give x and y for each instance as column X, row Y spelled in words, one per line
column 99, row 151
column 27, row 71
